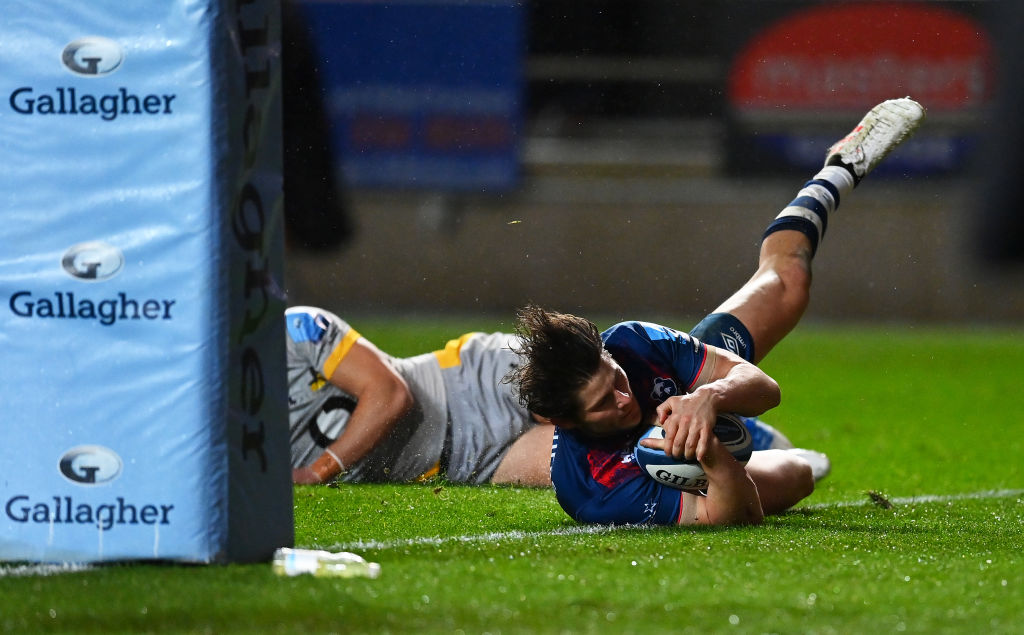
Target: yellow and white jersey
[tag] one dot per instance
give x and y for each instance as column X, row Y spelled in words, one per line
column 317, row 341
column 463, row 421
column 484, row 414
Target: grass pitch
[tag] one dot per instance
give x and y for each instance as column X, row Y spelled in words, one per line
column 918, row 529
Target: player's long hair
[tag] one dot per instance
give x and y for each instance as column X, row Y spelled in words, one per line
column 558, row 354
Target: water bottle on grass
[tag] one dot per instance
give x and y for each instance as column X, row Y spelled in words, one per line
column 322, row 564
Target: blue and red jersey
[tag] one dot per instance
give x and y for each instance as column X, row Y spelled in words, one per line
column 600, row 482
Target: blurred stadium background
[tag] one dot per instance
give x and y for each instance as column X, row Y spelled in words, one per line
column 621, row 158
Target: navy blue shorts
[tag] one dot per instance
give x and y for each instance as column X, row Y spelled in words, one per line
column 725, row 331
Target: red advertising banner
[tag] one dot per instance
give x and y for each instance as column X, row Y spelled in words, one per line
column 834, row 61
column 846, row 56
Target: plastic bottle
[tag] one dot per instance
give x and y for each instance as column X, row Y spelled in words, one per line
column 323, row 564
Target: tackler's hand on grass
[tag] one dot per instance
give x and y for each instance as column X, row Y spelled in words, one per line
column 305, row 476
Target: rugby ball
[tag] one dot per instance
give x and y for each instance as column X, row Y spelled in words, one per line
column 687, row 474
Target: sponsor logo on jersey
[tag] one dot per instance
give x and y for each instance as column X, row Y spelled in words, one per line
column 664, row 387
column 734, row 341
column 317, row 380
column 739, row 338
column 306, row 327
column 90, row 465
column 730, row 342
column 650, row 509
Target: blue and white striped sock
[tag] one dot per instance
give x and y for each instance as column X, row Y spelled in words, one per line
column 819, row 197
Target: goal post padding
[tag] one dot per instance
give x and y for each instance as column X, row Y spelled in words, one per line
column 142, row 387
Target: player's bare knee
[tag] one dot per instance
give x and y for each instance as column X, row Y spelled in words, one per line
column 794, row 275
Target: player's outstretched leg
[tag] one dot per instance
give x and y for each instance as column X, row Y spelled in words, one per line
column 772, row 302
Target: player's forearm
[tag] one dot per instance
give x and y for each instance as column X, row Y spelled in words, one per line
column 371, row 422
column 732, row 495
column 744, row 390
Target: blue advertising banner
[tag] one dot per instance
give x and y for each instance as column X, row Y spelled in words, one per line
column 140, row 326
column 422, row 93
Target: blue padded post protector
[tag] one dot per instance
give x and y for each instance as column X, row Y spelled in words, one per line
column 143, row 407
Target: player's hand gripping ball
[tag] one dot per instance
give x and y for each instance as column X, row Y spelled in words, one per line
column 687, row 474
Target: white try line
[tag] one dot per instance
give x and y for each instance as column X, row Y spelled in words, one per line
column 910, row 500
column 496, row 537
column 586, row 530
column 41, row 569
column 30, row 569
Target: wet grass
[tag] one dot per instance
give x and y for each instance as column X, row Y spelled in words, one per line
column 926, row 420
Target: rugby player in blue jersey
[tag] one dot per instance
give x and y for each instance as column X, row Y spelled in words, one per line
column 603, row 390
column 359, row 414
